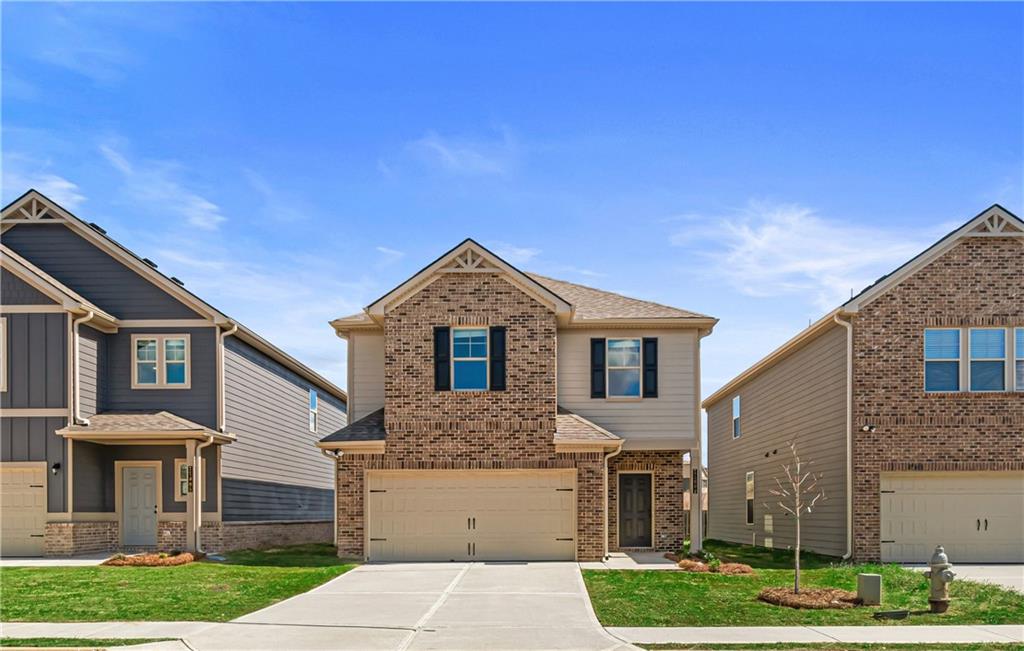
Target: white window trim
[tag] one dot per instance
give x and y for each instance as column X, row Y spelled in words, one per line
column 737, row 425
column 161, row 376
column 1017, row 356
column 959, row 359
column 1003, row 359
column 608, row 368
column 486, row 359
column 314, row 411
column 748, row 480
column 3, row 354
column 178, row 495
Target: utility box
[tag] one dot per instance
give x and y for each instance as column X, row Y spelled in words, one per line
column 869, row 589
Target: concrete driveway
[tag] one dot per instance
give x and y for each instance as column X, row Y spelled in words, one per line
column 412, row 606
column 1008, row 576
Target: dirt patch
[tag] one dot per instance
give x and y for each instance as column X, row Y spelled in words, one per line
column 672, row 557
column 815, row 599
column 156, row 559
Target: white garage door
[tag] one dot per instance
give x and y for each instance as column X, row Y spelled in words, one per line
column 471, row 515
column 977, row 517
column 22, row 509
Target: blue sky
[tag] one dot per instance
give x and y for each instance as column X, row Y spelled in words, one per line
column 292, row 162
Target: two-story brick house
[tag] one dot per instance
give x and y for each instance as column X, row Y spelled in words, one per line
column 501, row 415
column 116, row 383
column 909, row 398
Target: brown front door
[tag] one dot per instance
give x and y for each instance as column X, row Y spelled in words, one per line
column 634, row 510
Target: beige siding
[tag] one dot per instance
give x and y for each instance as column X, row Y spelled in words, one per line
column 667, row 419
column 366, row 357
column 801, row 398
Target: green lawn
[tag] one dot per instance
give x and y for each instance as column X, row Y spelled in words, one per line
column 203, row 591
column 76, row 642
column 660, row 598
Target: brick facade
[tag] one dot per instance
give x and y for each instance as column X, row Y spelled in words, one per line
column 449, row 430
column 979, row 282
column 68, row 538
column 668, row 481
column 229, row 536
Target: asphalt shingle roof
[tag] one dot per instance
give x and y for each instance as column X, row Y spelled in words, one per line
column 130, row 422
column 367, row 428
column 570, row 426
column 592, row 303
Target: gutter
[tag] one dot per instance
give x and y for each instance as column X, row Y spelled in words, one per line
column 606, row 458
column 77, row 414
column 336, row 455
column 849, row 434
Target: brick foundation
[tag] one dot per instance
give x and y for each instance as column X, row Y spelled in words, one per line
column 668, row 482
column 69, row 538
column 228, row 536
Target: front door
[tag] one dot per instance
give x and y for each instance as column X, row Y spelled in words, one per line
column 635, row 510
column 138, row 491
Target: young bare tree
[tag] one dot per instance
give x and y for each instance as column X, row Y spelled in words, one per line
column 798, row 493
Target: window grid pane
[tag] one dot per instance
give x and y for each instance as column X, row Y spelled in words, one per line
column 145, row 350
column 942, row 376
column 942, row 344
column 624, row 353
column 624, row 382
column 470, row 375
column 988, row 344
column 174, row 350
column 145, row 373
column 175, row 373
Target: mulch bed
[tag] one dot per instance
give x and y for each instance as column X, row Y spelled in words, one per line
column 690, row 565
column 815, row 599
column 694, row 565
column 154, row 559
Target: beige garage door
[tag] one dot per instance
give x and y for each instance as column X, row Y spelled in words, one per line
column 977, row 517
column 22, row 509
column 471, row 515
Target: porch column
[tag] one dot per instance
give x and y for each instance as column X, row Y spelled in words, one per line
column 191, row 508
column 696, row 490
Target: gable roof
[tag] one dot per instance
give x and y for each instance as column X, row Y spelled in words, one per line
column 573, row 304
column 33, row 207
column 994, row 221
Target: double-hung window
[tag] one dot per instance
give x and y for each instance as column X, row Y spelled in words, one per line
column 1019, row 358
column 750, row 497
column 736, row 417
column 942, row 360
column 313, row 404
column 624, row 368
column 469, row 359
column 988, row 359
column 160, row 362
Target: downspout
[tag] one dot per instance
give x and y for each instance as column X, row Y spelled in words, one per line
column 849, row 434
column 221, row 426
column 222, row 413
column 606, row 458
column 77, row 415
column 335, row 455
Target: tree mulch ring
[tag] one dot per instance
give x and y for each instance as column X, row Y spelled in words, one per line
column 814, row 599
column 152, row 559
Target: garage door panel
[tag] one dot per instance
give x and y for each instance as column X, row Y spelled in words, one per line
column 459, row 515
column 22, row 509
column 977, row 517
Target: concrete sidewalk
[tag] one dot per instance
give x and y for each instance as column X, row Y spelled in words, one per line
column 906, row 634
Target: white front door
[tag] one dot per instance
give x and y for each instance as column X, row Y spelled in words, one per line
column 977, row 516
column 138, row 516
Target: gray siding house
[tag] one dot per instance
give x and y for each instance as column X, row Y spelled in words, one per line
column 117, row 384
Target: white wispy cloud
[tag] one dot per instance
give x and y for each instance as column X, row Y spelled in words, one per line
column 76, row 39
column 21, row 172
column 388, row 256
column 516, row 255
column 769, row 249
column 467, row 156
column 156, row 183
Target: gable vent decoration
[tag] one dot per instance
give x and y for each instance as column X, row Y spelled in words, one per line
column 996, row 225
column 32, row 210
column 468, row 262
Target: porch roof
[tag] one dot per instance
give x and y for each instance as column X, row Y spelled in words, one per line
column 127, row 427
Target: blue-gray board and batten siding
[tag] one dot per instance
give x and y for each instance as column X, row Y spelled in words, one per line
column 34, row 439
column 91, row 272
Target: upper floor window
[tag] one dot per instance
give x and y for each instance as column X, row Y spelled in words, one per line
column 988, row 359
column 942, row 360
column 750, row 497
column 469, row 359
column 1019, row 355
column 736, row 417
column 313, row 404
column 161, row 361
column 624, row 368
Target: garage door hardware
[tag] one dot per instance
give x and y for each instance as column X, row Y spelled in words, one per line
column 377, row 490
column 564, row 539
column 378, row 539
column 888, row 541
column 884, row 492
column 564, row 490
column 36, row 535
column 471, row 523
column 986, row 524
column 471, row 549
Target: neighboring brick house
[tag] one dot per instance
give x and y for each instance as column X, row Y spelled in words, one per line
column 909, row 398
column 499, row 415
column 115, row 381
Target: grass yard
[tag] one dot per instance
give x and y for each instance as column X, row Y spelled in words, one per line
column 202, row 591
column 839, row 647
column 660, row 598
column 75, row 642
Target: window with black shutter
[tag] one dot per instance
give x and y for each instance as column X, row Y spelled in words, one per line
column 650, row 367
column 498, row 336
column 442, row 359
column 597, row 382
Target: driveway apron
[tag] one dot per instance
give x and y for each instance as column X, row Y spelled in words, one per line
column 413, row 606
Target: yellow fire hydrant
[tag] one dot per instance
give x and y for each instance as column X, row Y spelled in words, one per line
column 940, row 574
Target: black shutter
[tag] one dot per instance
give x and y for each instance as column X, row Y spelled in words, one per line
column 650, row 361
column 597, row 368
column 497, row 358
column 442, row 359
